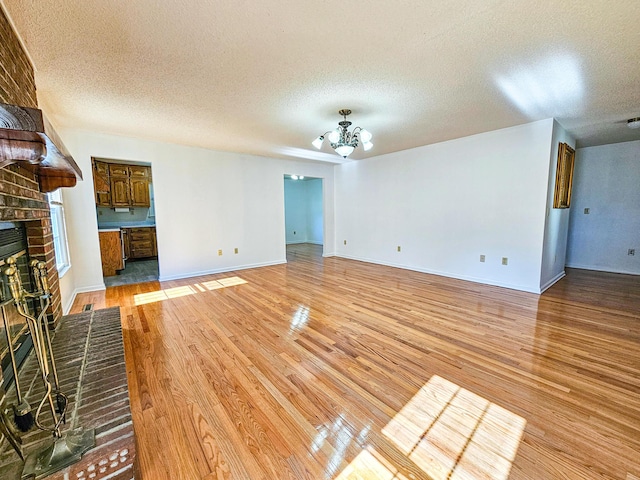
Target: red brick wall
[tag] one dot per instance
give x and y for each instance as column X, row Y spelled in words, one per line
column 20, row 196
column 17, row 82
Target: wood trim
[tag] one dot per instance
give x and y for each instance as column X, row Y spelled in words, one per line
column 24, row 140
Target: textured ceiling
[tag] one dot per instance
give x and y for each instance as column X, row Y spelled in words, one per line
column 268, row 77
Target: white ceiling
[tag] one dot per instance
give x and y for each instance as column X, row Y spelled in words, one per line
column 268, row 77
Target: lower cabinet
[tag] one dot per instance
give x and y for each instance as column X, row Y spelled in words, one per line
column 110, row 252
column 141, row 242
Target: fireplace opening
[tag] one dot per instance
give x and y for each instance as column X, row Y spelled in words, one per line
column 13, row 243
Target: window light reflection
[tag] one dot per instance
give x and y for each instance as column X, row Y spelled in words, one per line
column 550, row 87
column 452, row 433
column 340, row 436
column 299, row 319
column 175, row 292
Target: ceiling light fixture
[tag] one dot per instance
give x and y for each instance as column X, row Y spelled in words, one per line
column 343, row 141
column 633, row 122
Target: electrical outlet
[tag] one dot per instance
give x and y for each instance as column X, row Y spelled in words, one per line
column 482, row 258
column 345, row 242
column 586, row 211
column 399, row 248
column 219, row 253
column 505, row 261
column 632, row 252
column 235, row 250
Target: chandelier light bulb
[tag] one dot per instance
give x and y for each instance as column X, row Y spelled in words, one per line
column 365, row 135
column 334, row 136
column 367, row 146
column 318, row 142
column 344, row 150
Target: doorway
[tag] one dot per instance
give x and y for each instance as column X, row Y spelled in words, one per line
column 125, row 210
column 303, row 210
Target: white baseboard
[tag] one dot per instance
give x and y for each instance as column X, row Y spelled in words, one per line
column 601, row 269
column 164, row 278
column 552, row 281
column 66, row 308
column 522, row 288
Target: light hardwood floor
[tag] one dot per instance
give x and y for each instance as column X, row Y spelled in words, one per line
column 332, row 368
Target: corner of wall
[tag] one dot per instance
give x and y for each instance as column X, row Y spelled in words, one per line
column 556, row 227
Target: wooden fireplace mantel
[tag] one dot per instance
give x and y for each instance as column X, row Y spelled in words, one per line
column 25, row 137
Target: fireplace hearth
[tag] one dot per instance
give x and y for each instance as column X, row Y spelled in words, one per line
column 89, row 352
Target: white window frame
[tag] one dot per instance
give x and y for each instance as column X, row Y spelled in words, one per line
column 59, row 228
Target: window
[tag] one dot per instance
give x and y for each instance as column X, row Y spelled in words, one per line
column 59, row 232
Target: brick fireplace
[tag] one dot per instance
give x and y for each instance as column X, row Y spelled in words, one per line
column 21, row 198
column 88, row 347
column 21, row 201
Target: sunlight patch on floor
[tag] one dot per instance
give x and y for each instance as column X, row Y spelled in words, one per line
column 452, row 433
column 176, row 292
column 369, row 465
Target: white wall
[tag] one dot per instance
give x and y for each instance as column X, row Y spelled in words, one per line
column 607, row 182
column 295, row 208
column 557, row 221
column 448, row 203
column 303, row 211
column 315, row 215
column 205, row 201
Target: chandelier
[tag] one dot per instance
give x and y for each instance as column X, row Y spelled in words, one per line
column 343, row 141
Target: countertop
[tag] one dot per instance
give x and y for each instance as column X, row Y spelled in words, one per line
column 115, row 228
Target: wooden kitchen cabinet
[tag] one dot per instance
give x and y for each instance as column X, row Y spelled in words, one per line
column 154, row 242
column 120, row 191
column 101, row 183
column 141, row 242
column 111, row 252
column 140, row 192
column 138, row 171
column 118, row 169
column 121, row 185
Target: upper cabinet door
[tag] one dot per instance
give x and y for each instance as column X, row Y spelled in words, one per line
column 120, row 192
column 140, row 192
column 118, row 169
column 136, row 171
column 101, row 183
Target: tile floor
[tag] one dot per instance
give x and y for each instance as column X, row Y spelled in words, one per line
column 137, row 271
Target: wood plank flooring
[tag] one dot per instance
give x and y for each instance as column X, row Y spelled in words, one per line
column 337, row 369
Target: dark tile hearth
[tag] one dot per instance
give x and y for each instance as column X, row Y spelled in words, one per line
column 89, row 352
